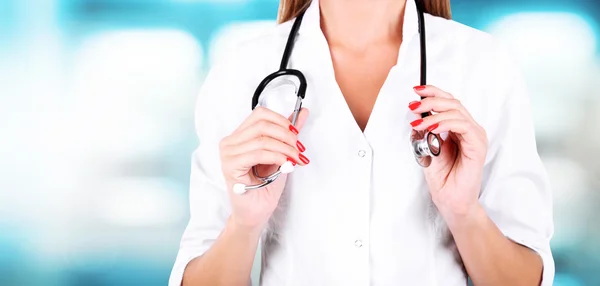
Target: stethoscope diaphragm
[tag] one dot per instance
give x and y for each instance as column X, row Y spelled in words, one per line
column 425, row 145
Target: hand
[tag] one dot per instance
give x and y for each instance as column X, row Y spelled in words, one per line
column 266, row 140
column 454, row 177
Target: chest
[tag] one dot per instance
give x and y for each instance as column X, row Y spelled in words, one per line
column 360, row 76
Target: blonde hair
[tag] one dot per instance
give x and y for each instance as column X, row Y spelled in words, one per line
column 289, row 9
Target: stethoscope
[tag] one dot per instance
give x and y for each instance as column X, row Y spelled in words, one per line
column 425, row 145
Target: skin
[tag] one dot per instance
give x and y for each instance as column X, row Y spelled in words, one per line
column 454, row 181
column 263, row 139
column 364, row 38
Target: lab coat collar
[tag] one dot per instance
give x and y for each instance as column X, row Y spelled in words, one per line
column 311, row 24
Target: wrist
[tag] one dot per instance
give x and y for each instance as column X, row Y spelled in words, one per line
column 243, row 230
column 466, row 217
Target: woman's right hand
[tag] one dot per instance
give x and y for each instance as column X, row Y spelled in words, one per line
column 266, row 140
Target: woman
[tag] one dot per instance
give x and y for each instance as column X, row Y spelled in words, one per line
column 362, row 212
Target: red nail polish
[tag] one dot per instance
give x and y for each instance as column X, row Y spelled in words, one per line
column 414, row 105
column 304, row 159
column 293, row 129
column 300, row 146
column 433, row 127
column 416, row 122
column 292, row 161
column 420, row 87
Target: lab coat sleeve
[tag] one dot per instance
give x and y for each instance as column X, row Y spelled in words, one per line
column 516, row 192
column 208, row 198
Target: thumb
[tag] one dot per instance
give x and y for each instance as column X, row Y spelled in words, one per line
column 302, row 116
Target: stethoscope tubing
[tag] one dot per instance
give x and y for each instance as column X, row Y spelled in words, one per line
column 422, row 151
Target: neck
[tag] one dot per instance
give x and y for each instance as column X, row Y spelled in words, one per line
column 357, row 24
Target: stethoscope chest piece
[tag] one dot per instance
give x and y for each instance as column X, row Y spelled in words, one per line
column 284, row 76
column 425, row 146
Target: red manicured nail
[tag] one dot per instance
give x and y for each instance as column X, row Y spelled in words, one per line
column 417, row 122
column 414, row 105
column 292, row 161
column 433, row 127
column 420, row 87
column 301, row 147
column 304, row 159
column 293, row 129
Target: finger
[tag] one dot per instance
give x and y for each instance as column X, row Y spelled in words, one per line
column 260, row 157
column 263, row 128
column 429, row 122
column 270, row 129
column 437, row 104
column 302, row 116
column 268, row 144
column 431, row 91
column 468, row 131
column 261, row 113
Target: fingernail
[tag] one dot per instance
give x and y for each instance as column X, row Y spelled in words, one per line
column 301, row 147
column 293, row 129
column 433, row 127
column 417, row 122
column 414, row 105
column 419, row 87
column 292, row 161
column 303, row 159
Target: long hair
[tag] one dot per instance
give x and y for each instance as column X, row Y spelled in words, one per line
column 289, row 9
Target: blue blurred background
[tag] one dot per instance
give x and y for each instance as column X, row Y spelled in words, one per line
column 96, row 124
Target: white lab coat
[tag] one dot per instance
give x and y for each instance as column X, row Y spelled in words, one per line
column 360, row 212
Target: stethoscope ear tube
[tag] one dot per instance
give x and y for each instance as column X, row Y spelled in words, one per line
column 287, row 167
column 425, row 145
column 300, row 90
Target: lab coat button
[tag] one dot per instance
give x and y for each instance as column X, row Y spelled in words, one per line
column 358, row 243
column 362, row 153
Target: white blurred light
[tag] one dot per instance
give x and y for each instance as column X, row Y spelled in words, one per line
column 565, row 39
column 557, row 54
column 554, row 116
column 228, row 37
column 131, row 87
column 571, row 191
column 594, row 106
column 126, row 55
column 137, row 202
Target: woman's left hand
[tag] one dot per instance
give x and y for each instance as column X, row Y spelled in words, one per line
column 454, row 177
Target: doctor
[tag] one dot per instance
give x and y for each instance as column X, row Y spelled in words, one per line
column 357, row 209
